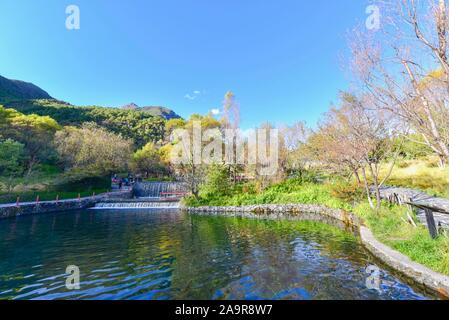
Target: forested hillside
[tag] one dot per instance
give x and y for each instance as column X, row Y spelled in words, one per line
column 20, row 90
column 48, row 145
column 139, row 126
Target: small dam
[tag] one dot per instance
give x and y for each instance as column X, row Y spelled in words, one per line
column 157, row 190
column 149, row 195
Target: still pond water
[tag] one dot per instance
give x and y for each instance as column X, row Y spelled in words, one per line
column 172, row 255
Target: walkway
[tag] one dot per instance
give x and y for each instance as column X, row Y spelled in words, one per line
column 99, row 197
column 421, row 198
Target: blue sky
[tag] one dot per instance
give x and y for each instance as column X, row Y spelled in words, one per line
column 281, row 58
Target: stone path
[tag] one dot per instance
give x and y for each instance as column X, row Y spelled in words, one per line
column 421, row 198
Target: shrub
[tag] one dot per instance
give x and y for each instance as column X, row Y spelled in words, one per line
column 403, row 164
column 350, row 192
column 306, row 176
column 217, row 182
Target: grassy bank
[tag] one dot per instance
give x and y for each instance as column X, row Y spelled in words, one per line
column 424, row 175
column 290, row 191
column 389, row 226
column 49, row 183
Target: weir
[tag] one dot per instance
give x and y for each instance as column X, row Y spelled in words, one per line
column 137, row 205
column 149, row 195
column 159, row 190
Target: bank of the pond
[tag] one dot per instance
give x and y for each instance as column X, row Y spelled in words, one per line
column 398, row 261
column 161, row 254
column 27, row 208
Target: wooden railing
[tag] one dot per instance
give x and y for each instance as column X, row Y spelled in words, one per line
column 430, row 219
column 429, row 211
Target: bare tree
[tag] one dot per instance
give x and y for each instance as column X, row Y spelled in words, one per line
column 404, row 67
column 292, row 140
column 231, row 111
column 230, row 122
column 357, row 138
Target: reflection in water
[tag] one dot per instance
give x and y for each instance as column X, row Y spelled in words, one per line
column 171, row 255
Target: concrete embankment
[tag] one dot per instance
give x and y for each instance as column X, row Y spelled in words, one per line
column 27, row 208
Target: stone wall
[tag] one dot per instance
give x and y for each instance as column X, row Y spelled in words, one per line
column 12, row 210
column 403, row 264
column 279, row 211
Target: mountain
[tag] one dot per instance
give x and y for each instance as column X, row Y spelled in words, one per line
column 11, row 90
column 141, row 125
column 162, row 112
column 27, row 97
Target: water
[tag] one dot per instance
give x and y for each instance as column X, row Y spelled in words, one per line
column 144, row 254
column 155, row 189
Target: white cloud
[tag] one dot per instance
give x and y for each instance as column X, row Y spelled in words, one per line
column 215, row 112
column 189, row 97
column 192, row 96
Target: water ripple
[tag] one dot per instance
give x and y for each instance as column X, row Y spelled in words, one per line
column 140, row 255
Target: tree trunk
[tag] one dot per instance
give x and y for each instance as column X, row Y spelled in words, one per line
column 431, row 121
column 368, row 193
column 357, row 177
column 31, row 164
column 442, row 162
column 376, row 186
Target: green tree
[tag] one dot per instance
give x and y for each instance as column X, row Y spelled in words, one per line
column 34, row 132
column 142, row 127
column 92, row 151
column 191, row 172
column 217, row 182
column 148, row 161
column 172, row 125
column 11, row 162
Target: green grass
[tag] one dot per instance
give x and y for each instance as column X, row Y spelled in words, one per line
column 47, row 182
column 287, row 192
column 390, row 226
column 423, row 174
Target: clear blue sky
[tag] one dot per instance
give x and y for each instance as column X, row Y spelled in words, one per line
column 280, row 57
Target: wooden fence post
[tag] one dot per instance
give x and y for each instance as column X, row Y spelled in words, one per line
column 431, row 224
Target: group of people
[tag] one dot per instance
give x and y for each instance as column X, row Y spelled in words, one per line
column 119, row 182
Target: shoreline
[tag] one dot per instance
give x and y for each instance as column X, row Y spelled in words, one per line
column 12, row 210
column 437, row 282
